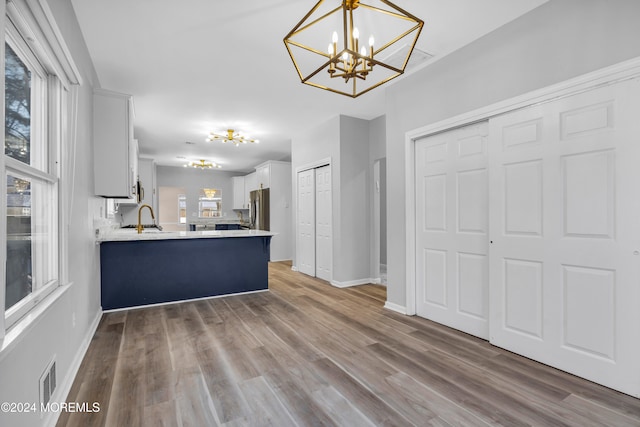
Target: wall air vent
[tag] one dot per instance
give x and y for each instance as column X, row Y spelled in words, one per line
column 47, row 383
column 397, row 57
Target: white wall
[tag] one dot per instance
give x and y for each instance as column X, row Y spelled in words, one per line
column 54, row 333
column 193, row 180
column 557, row 41
column 343, row 139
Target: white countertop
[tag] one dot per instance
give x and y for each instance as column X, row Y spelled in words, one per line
column 129, row 235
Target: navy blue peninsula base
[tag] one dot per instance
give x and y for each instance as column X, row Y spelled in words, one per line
column 141, row 272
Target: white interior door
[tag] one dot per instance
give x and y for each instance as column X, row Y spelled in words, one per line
column 565, row 230
column 306, row 235
column 323, row 223
column 452, row 285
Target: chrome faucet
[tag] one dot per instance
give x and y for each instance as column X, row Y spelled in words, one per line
column 140, row 227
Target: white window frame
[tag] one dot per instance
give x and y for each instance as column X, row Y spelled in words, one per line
column 44, row 149
column 31, row 26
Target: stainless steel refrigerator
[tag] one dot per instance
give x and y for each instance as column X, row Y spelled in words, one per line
column 259, row 209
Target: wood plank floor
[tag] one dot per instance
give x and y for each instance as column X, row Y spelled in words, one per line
column 306, row 353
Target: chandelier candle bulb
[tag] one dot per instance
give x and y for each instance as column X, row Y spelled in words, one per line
column 356, row 36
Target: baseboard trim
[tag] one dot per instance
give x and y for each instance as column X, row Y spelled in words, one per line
column 395, row 307
column 160, row 304
column 351, row 283
column 65, row 386
column 280, row 260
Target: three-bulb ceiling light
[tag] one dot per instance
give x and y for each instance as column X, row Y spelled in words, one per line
column 347, row 67
column 231, row 136
column 203, row 164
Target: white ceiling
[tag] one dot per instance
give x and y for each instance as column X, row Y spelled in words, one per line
column 195, row 66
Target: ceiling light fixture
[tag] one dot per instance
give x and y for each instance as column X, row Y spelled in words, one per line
column 231, row 136
column 348, row 67
column 202, row 164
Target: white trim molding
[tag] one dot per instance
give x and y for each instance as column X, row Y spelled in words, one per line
column 395, row 307
column 352, row 283
column 35, row 20
column 313, row 165
column 610, row 75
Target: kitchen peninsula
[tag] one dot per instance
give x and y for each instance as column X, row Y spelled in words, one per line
column 159, row 267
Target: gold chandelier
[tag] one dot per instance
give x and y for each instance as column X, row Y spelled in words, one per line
column 210, row 193
column 347, row 66
column 231, row 136
column 203, row 164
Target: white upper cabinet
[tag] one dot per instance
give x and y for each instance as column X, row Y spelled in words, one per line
column 115, row 164
column 239, row 193
column 147, row 178
column 134, row 173
column 263, row 175
column 250, row 183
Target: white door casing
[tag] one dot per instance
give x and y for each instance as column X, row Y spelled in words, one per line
column 452, row 272
column 305, row 239
column 565, row 232
column 323, row 211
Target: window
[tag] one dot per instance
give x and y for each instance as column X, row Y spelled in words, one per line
column 182, row 209
column 210, row 203
column 30, row 165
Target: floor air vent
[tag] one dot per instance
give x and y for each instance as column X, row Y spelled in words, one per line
column 48, row 383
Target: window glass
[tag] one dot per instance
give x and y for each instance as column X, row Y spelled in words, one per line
column 182, row 209
column 210, row 203
column 17, row 119
column 31, row 237
column 31, row 202
column 19, row 250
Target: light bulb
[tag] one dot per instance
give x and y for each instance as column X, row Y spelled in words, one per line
column 356, row 33
column 371, row 40
column 334, row 37
column 345, row 56
column 363, row 51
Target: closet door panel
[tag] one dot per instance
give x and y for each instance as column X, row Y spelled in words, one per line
column 565, row 232
column 452, row 275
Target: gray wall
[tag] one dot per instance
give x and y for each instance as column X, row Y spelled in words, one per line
column 65, row 328
column 352, row 236
column 378, row 153
column 320, row 142
column 195, row 179
column 383, row 211
column 555, row 42
column 344, row 140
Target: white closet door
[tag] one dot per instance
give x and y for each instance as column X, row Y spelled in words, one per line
column 306, row 234
column 565, row 230
column 323, row 223
column 452, row 226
